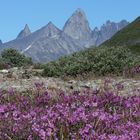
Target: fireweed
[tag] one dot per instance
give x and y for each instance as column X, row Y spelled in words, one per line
column 85, row 115
column 131, row 71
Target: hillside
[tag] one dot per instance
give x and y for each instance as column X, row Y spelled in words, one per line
column 129, row 36
column 98, row 61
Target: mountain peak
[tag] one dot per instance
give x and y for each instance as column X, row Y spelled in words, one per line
column 0, row 42
column 108, row 22
column 26, row 28
column 107, row 30
column 50, row 30
column 128, row 36
column 77, row 26
column 79, row 12
column 25, row 32
column 50, row 25
column 96, row 29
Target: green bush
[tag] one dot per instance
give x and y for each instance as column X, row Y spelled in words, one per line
column 98, row 61
column 52, row 69
column 14, row 58
column 38, row 66
column 3, row 65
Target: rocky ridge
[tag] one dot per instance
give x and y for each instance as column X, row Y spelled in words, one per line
column 49, row 43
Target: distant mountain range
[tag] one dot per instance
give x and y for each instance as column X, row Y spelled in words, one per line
column 128, row 37
column 49, row 42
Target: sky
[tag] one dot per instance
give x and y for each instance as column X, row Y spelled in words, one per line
column 14, row 14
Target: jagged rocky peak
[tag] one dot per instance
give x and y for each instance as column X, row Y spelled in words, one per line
column 0, row 42
column 109, row 25
column 50, row 30
column 108, row 22
column 107, row 30
column 96, row 29
column 79, row 12
column 25, row 32
column 118, row 25
column 77, row 26
column 123, row 23
column 51, row 25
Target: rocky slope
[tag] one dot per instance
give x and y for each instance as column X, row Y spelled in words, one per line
column 49, row 42
column 18, row 81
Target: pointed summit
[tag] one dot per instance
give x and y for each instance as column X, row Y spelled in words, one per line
column 50, row 30
column 51, row 25
column 96, row 29
column 26, row 28
column 123, row 23
column 108, row 22
column 0, row 42
column 80, row 12
column 77, row 26
column 25, row 32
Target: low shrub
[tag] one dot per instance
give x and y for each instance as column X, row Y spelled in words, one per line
column 14, row 58
column 99, row 61
column 38, row 66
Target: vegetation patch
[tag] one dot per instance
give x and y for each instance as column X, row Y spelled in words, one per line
column 97, row 61
column 12, row 58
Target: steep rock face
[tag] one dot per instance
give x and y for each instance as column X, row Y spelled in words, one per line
column 107, row 31
column 25, row 32
column 51, row 49
column 46, row 44
column 77, row 26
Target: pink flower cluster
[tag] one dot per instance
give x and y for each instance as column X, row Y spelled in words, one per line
column 132, row 71
column 89, row 115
